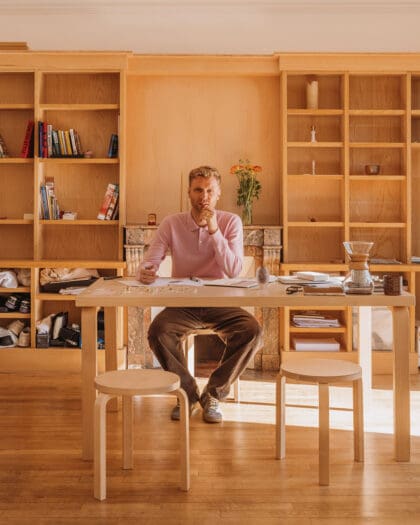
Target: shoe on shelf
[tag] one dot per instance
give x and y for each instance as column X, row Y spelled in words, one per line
column 12, row 303
column 211, row 410
column 24, row 340
column 7, row 338
column 16, row 327
column 25, row 306
column 176, row 411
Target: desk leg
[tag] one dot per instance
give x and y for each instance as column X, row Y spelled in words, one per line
column 89, row 370
column 365, row 350
column 401, row 330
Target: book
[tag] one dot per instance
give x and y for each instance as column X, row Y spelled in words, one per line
column 235, row 283
column 3, row 148
column 45, row 140
column 313, row 276
column 73, row 142
column 28, row 141
column 68, row 143
column 327, row 344
column 106, row 201
column 332, row 289
column 112, row 205
column 113, row 146
column 294, row 279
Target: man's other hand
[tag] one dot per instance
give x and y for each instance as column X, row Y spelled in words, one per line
column 146, row 274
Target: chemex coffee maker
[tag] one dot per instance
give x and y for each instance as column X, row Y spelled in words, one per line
column 359, row 280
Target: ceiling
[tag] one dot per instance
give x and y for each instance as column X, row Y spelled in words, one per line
column 213, row 26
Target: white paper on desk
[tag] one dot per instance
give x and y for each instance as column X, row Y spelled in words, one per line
column 235, row 283
column 160, row 281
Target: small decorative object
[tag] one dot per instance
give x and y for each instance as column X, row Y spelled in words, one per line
column 313, row 167
column 88, row 154
column 372, row 169
column 249, row 187
column 392, row 284
column 151, row 219
column 312, row 94
column 263, row 276
column 69, row 216
column 313, row 134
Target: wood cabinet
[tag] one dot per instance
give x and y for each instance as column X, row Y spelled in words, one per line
column 69, row 91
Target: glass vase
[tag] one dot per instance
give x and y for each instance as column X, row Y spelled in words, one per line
column 247, row 214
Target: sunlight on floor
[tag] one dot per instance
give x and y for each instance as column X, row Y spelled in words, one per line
column 378, row 409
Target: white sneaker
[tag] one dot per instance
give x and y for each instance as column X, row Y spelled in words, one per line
column 24, row 340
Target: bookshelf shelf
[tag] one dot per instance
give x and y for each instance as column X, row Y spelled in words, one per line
column 71, row 223
column 14, row 315
column 16, row 221
column 79, row 107
column 16, row 106
column 76, row 160
column 19, row 289
column 315, row 144
column 16, row 160
column 384, row 145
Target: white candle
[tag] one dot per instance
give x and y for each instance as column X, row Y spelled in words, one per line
column 312, row 94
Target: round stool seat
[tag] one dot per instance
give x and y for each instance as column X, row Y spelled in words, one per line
column 138, row 382
column 322, row 370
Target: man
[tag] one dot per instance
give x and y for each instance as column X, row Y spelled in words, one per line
column 203, row 243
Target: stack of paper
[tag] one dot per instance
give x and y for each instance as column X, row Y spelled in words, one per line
column 314, row 320
column 328, row 344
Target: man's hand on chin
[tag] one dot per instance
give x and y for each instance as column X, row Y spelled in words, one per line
column 209, row 215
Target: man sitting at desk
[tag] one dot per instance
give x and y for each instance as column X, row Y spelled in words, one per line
column 203, row 243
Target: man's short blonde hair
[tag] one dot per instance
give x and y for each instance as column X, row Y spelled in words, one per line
column 205, row 172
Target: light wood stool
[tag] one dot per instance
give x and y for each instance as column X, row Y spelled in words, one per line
column 324, row 372
column 189, row 352
column 129, row 383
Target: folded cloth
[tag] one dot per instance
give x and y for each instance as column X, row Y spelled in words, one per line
column 49, row 275
column 8, row 279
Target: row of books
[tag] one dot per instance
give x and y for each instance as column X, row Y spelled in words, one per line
column 58, row 142
column 110, row 203
column 49, row 208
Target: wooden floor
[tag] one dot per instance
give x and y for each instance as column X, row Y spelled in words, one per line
column 235, row 478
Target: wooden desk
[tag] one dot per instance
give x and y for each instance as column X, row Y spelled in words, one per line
column 111, row 295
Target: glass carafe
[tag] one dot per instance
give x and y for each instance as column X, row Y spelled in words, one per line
column 359, row 280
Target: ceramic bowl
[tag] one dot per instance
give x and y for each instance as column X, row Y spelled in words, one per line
column 372, row 169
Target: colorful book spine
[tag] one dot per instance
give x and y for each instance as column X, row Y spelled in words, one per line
column 113, row 203
column 106, row 201
column 3, row 148
column 28, row 141
column 113, row 146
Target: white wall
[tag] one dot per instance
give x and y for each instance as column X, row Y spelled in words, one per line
column 213, row 26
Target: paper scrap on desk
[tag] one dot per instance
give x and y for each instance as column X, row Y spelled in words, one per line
column 160, row 281
column 129, row 282
column 234, row 283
